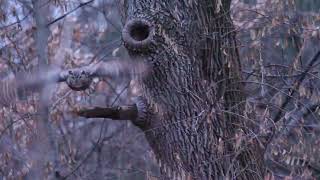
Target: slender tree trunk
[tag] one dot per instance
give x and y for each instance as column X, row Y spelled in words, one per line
column 44, row 150
column 192, row 103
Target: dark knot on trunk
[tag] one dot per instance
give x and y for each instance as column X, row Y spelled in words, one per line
column 137, row 35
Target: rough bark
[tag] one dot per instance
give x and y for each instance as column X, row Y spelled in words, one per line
column 193, row 96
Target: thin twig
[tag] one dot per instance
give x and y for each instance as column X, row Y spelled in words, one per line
column 66, row 14
column 296, row 86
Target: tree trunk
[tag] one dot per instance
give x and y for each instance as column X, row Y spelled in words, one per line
column 192, row 103
column 44, row 151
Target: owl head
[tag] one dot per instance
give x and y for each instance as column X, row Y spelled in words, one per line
column 79, row 80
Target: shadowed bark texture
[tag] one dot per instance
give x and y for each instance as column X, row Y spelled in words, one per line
column 192, row 93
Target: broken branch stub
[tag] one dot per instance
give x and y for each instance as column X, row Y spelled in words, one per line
column 137, row 113
column 129, row 112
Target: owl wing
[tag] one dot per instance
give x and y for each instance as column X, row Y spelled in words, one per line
column 13, row 87
column 119, row 67
column 8, row 92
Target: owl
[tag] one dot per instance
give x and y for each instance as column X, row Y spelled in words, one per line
column 78, row 79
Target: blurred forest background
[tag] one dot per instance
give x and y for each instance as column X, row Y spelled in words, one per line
column 277, row 40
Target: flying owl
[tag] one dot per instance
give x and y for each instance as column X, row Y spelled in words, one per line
column 77, row 79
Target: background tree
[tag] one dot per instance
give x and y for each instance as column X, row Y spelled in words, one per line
column 200, row 117
column 91, row 149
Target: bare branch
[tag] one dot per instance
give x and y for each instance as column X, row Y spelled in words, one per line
column 297, row 85
column 65, row 15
